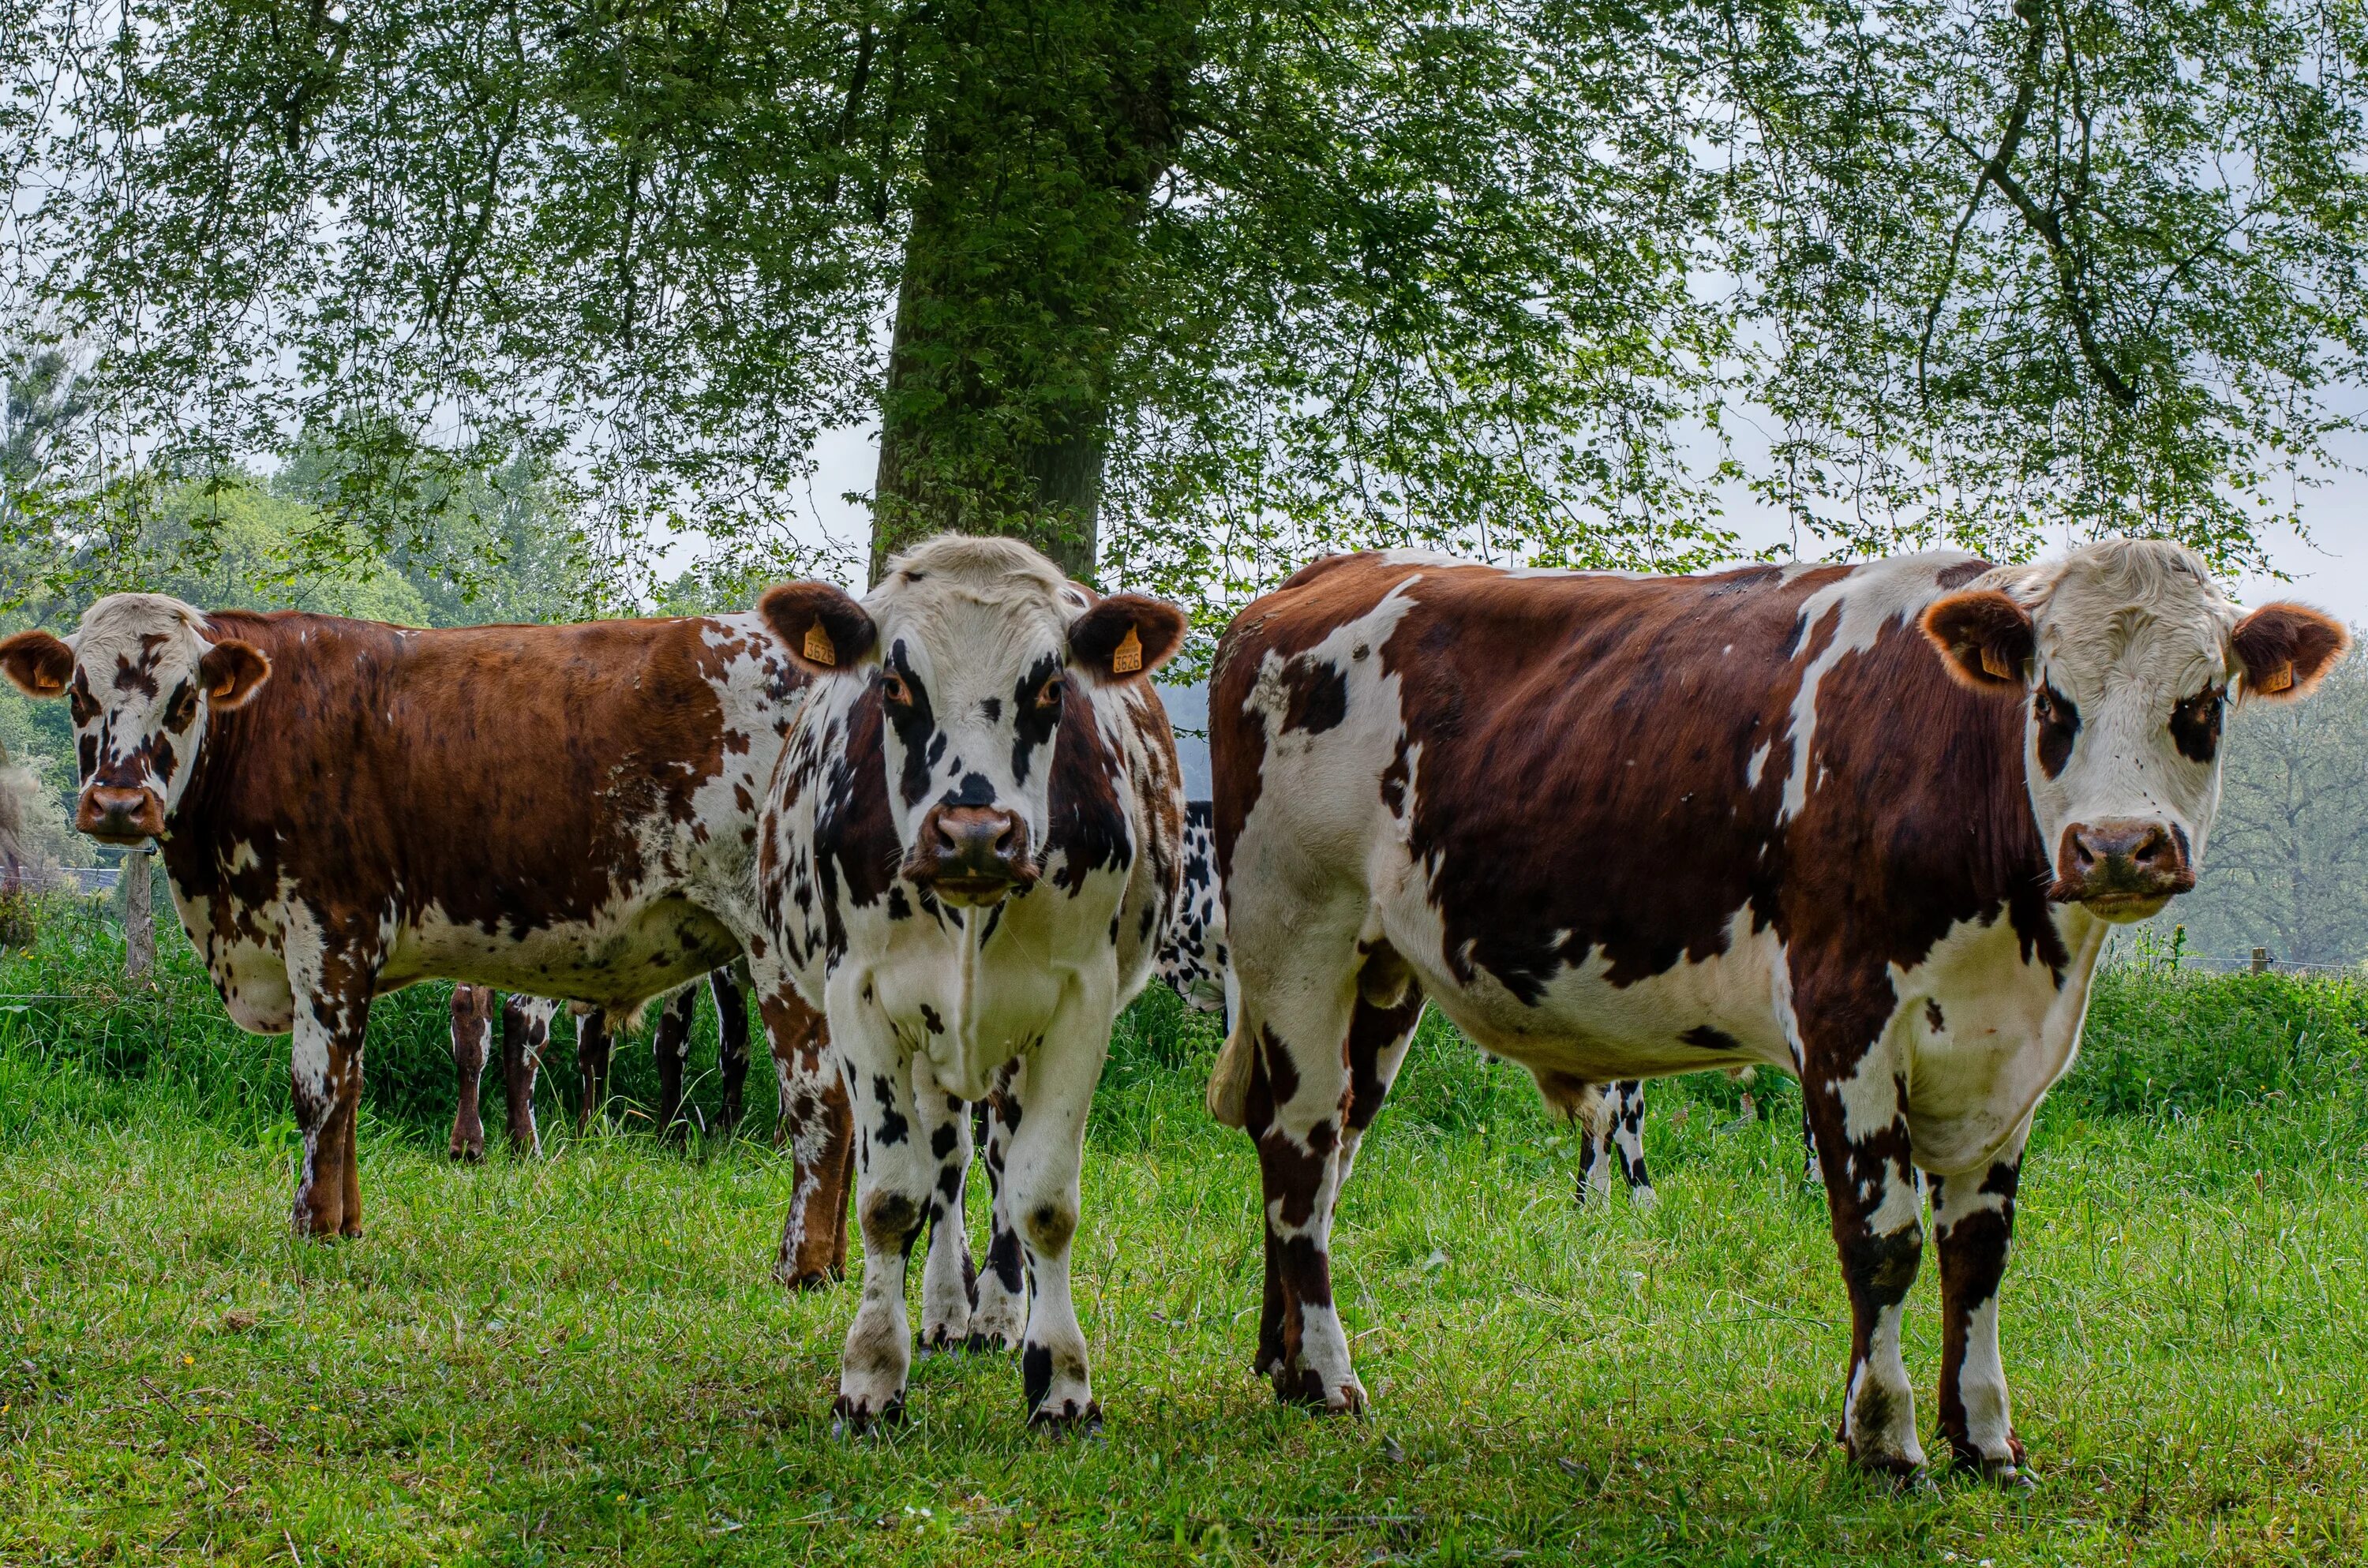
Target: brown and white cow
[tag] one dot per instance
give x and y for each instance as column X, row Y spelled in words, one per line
column 970, row 854
column 1619, row 827
column 345, row 808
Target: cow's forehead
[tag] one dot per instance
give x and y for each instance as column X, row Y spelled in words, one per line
column 979, row 611
column 149, row 633
column 2138, row 610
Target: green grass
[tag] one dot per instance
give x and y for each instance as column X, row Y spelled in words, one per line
column 583, row 1360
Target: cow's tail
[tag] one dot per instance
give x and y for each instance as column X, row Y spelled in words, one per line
column 1229, row 1080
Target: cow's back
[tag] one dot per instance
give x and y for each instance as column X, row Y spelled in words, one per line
column 1624, row 776
column 524, row 802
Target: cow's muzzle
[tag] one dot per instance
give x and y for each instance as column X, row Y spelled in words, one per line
column 113, row 814
column 2122, row 867
column 971, row 855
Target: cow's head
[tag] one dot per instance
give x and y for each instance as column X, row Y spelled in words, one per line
column 141, row 673
column 975, row 646
column 2128, row 654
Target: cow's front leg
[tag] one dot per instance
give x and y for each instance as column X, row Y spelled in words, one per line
column 1001, row 1315
column 526, row 1032
column 472, row 1034
column 1054, row 1090
column 730, row 985
column 593, row 1039
column 1861, row 1119
column 895, row 1177
column 816, row 1124
column 333, row 988
column 670, row 1044
column 1974, row 1228
column 947, row 1283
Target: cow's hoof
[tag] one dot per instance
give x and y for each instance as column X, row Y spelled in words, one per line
column 1306, row 1387
column 1068, row 1420
column 2007, row 1472
column 851, row 1419
column 809, row 1279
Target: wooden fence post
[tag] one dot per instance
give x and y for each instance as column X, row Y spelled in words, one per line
column 2261, row 961
column 139, row 919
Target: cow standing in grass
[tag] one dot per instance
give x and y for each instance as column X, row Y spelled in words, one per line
column 345, row 808
column 969, row 857
column 1869, row 824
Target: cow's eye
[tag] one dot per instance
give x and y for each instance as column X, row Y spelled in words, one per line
column 1049, row 694
column 893, row 688
column 2195, row 723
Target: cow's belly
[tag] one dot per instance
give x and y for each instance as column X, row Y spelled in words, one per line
column 1720, row 1012
column 618, row 959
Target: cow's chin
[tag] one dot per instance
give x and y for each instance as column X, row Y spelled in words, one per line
column 971, row 893
column 2126, row 908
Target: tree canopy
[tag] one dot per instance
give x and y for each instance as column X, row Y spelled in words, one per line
column 1190, row 289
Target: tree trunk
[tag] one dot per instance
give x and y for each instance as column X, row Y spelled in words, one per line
column 1018, row 296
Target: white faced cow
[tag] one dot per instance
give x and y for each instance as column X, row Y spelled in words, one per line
column 1869, row 824
column 971, row 852
column 345, row 808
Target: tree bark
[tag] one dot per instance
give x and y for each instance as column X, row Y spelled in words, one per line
column 1017, row 292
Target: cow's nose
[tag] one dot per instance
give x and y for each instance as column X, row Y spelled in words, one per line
column 2121, row 868
column 119, row 815
column 971, row 854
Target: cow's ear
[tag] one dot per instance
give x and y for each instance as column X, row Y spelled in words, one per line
column 825, row 631
column 2285, row 648
column 232, row 672
column 37, row 664
column 1124, row 636
column 1986, row 639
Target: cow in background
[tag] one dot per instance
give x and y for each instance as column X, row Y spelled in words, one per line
column 527, row 1029
column 1869, row 824
column 345, row 808
column 969, row 857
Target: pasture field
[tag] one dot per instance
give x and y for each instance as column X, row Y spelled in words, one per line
column 583, row 1360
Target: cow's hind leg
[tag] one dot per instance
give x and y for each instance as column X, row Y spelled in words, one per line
column 1000, row 1317
column 948, row 1282
column 1612, row 1136
column 1974, row 1228
column 670, row 1044
column 526, row 1032
column 816, row 1124
column 473, row 1033
column 1858, row 1105
column 1295, row 1021
column 593, row 1038
column 730, row 985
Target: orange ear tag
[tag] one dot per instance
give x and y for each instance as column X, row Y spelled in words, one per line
column 1995, row 664
column 2279, row 678
column 818, row 645
column 1127, row 657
